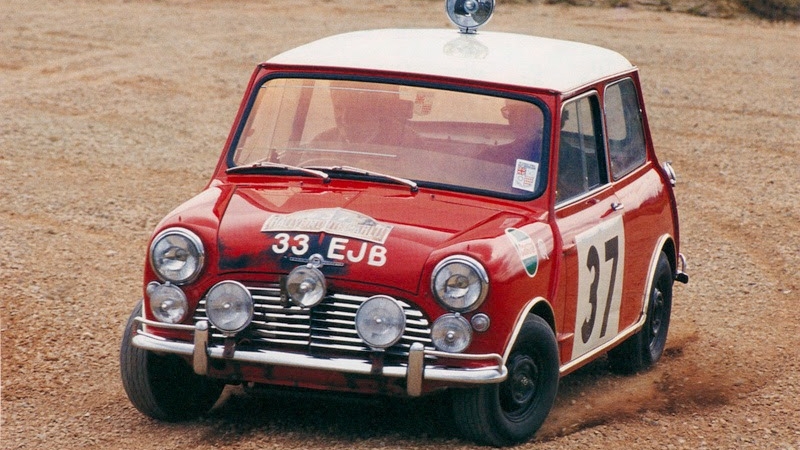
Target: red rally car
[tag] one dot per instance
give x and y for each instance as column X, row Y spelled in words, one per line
column 405, row 212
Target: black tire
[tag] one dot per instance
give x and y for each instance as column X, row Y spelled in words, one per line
column 511, row 412
column 644, row 348
column 163, row 387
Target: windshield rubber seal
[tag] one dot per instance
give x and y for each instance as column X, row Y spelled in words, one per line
column 543, row 175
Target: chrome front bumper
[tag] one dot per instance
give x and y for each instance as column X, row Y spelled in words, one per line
column 414, row 371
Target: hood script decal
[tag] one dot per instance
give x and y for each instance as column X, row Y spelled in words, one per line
column 338, row 221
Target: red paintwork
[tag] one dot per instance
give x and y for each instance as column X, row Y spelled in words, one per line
column 428, row 225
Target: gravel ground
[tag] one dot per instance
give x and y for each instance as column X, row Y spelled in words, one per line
column 114, row 112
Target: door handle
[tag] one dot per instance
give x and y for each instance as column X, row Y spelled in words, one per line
column 616, row 206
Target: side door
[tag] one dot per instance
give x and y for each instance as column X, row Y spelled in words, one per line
column 638, row 186
column 589, row 219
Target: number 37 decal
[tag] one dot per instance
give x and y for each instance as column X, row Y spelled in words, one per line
column 601, row 260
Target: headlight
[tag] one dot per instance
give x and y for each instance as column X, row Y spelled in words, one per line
column 177, row 255
column 451, row 333
column 229, row 307
column 306, row 286
column 380, row 321
column 460, row 283
column 167, row 302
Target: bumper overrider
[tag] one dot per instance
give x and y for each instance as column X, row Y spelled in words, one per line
column 414, row 370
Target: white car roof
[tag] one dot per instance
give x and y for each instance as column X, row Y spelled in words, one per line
column 484, row 56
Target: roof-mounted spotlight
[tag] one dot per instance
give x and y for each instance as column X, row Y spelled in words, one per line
column 468, row 15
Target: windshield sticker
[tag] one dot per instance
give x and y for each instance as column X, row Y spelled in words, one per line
column 525, row 175
column 526, row 250
column 421, row 99
column 338, row 221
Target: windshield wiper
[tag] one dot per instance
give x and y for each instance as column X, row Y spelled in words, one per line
column 368, row 173
column 273, row 165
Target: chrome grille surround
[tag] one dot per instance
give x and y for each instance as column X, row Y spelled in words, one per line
column 328, row 328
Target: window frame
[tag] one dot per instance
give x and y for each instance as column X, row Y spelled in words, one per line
column 641, row 128
column 598, row 120
column 531, row 97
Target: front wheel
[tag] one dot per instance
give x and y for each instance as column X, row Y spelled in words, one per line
column 644, row 348
column 512, row 411
column 163, row 387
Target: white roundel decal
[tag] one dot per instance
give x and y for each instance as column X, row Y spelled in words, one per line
column 601, row 260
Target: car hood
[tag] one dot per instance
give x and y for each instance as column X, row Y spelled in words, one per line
column 378, row 235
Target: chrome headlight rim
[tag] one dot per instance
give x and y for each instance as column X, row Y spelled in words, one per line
column 479, row 272
column 397, row 320
column 246, row 300
column 192, row 240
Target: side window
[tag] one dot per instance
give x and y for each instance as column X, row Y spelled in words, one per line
column 581, row 165
column 626, row 146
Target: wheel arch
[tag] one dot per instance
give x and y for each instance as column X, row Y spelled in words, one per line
column 666, row 245
column 538, row 306
column 669, row 248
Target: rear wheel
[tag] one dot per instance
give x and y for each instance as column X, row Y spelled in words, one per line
column 512, row 411
column 163, row 387
column 644, row 348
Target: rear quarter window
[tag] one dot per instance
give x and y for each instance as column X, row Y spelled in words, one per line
column 626, row 144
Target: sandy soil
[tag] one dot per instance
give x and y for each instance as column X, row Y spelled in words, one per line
column 114, row 112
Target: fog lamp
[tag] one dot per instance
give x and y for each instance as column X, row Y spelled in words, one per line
column 468, row 15
column 306, row 286
column 229, row 307
column 451, row 333
column 380, row 321
column 167, row 302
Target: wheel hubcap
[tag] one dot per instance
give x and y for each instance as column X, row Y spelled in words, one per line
column 656, row 320
column 519, row 390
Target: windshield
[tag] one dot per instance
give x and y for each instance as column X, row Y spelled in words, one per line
column 428, row 135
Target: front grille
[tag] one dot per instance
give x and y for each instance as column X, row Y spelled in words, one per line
column 327, row 329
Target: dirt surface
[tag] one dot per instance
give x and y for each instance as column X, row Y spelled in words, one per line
column 114, row 112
